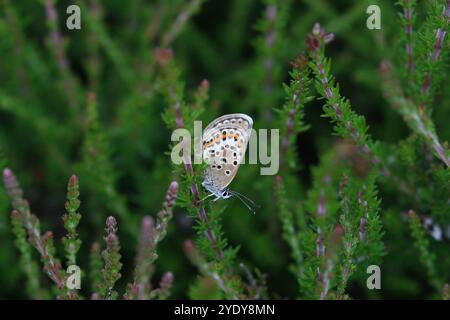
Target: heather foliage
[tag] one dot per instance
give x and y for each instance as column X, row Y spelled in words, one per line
column 86, row 118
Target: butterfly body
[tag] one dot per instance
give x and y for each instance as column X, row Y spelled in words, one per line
column 224, row 144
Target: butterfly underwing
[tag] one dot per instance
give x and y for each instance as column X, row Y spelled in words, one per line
column 224, row 144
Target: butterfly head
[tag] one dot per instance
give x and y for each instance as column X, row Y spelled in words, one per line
column 214, row 191
column 226, row 194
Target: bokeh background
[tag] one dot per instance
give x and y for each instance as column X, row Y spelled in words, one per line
column 45, row 80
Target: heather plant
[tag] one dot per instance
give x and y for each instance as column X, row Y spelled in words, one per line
column 86, row 123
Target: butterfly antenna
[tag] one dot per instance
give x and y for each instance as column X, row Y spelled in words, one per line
column 249, row 206
column 245, row 197
column 249, row 203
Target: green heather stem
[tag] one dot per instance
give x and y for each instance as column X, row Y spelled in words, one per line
column 71, row 242
column 111, row 257
column 414, row 117
column 422, row 244
column 57, row 47
column 347, row 123
column 192, row 7
column 95, row 267
column 149, row 238
column 42, row 243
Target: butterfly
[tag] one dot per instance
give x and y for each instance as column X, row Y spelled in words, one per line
column 224, row 144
